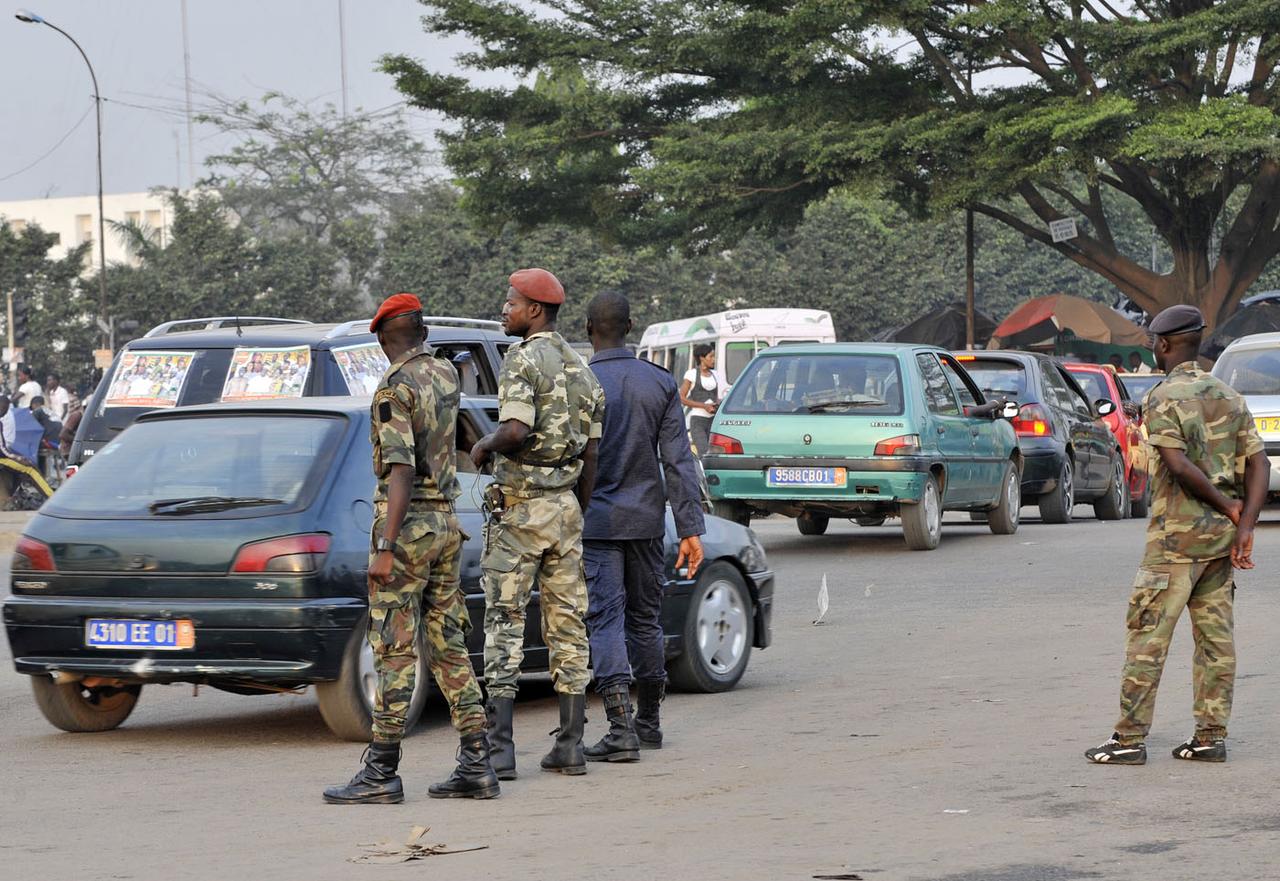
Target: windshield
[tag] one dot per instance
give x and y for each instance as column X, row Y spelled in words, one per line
column 836, row 383
column 1250, row 371
column 1093, row 384
column 229, row 466
column 998, row 379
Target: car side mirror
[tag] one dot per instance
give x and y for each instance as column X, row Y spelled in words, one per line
column 1104, row 407
column 1009, row 410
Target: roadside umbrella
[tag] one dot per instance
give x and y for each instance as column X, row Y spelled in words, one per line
column 1041, row 319
column 1261, row 316
column 943, row 327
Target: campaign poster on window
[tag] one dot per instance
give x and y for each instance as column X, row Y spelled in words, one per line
column 149, row 379
column 362, row 367
column 264, row 374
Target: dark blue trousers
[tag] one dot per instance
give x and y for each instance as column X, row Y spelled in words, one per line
column 624, row 613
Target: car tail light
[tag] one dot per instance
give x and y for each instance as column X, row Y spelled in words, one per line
column 1031, row 421
column 32, row 556
column 902, row 445
column 722, row 443
column 290, row 553
column 70, row 472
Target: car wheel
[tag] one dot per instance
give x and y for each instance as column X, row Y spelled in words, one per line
column 1138, row 507
column 718, row 632
column 1111, row 506
column 870, row 520
column 346, row 703
column 1005, row 516
column 1055, row 507
column 812, row 524
column 735, row 511
column 922, row 521
column 73, row 707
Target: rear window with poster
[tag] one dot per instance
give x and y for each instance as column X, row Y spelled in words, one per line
column 262, row 374
column 362, row 367
column 149, row 379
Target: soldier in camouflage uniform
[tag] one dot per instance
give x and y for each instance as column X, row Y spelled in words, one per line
column 414, row 580
column 1209, row 481
column 551, row 410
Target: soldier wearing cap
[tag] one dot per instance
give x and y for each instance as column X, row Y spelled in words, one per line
column 551, row 411
column 414, row 581
column 1208, row 484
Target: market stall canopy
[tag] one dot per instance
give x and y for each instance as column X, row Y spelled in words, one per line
column 1041, row 319
column 944, row 327
column 1261, row 316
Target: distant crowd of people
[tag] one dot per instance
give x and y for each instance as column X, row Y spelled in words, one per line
column 57, row 410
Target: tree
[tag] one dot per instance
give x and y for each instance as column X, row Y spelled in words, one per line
column 699, row 120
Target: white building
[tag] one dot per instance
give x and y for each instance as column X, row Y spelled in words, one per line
column 74, row 220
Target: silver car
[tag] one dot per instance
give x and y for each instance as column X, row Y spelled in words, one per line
column 1251, row 366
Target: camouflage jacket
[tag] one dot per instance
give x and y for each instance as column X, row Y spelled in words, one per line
column 1204, row 417
column 546, row 385
column 413, row 420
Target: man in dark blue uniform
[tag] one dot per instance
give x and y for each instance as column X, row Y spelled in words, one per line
column 644, row 436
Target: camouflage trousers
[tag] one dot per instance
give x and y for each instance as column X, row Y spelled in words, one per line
column 537, row 541
column 1160, row 593
column 424, row 596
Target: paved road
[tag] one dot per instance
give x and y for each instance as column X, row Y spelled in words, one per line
column 931, row 729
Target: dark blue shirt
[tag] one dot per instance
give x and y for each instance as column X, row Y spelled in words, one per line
column 644, row 435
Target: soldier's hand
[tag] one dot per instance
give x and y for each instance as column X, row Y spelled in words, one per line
column 1242, row 549
column 690, row 554
column 479, row 455
column 1234, row 508
column 380, row 569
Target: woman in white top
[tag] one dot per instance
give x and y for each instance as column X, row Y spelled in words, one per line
column 700, row 392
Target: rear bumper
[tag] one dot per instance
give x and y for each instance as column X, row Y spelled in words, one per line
column 871, row 480
column 1040, row 469
column 274, row 641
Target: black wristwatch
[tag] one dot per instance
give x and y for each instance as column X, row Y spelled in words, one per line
column 385, row 544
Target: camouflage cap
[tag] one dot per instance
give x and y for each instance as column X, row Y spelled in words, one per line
column 1177, row 319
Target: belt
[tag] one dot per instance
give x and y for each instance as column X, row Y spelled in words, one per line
column 514, row 498
column 419, row 505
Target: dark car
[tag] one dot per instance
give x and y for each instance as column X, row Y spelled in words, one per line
column 204, row 360
column 1069, row 453
column 228, row 545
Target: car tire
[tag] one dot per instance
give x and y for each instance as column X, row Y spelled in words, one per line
column 72, row 707
column 1003, row 519
column 346, row 703
column 871, row 520
column 922, row 521
column 1055, row 507
column 719, row 629
column 812, row 524
column 1113, row 504
column 735, row 511
column 1139, row 507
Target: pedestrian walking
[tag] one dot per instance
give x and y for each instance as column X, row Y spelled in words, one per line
column 700, row 391
column 58, row 397
column 643, row 438
column 414, row 580
column 1137, row 365
column 28, row 388
column 550, row 410
column 1208, row 484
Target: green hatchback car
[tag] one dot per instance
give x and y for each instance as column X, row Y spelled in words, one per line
column 866, row 431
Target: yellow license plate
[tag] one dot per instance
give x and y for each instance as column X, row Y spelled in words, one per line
column 1268, row 424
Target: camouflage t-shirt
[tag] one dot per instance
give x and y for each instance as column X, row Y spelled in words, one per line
column 413, row 420
column 546, row 385
column 1205, row 418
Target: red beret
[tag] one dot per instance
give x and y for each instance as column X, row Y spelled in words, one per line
column 396, row 304
column 538, row 285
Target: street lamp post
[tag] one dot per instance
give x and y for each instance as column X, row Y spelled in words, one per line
column 29, row 17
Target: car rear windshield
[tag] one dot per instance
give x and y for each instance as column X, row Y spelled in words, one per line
column 1250, row 371
column 808, row 383
column 998, row 378
column 1093, row 384
column 233, row 457
column 1138, row 384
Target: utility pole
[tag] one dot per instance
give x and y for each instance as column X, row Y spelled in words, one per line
column 342, row 53
column 186, row 69
column 969, row 321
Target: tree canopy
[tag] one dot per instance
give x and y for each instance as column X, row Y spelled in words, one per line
column 699, row 120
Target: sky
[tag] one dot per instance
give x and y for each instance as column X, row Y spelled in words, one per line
column 239, row 49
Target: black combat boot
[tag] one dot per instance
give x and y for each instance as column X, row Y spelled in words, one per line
column 474, row 777
column 566, row 756
column 377, row 782
column 621, row 743
column 502, row 749
column 649, row 695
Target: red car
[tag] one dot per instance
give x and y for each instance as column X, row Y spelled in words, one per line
column 1100, row 383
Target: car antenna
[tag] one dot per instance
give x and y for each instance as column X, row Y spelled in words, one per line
column 239, row 332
